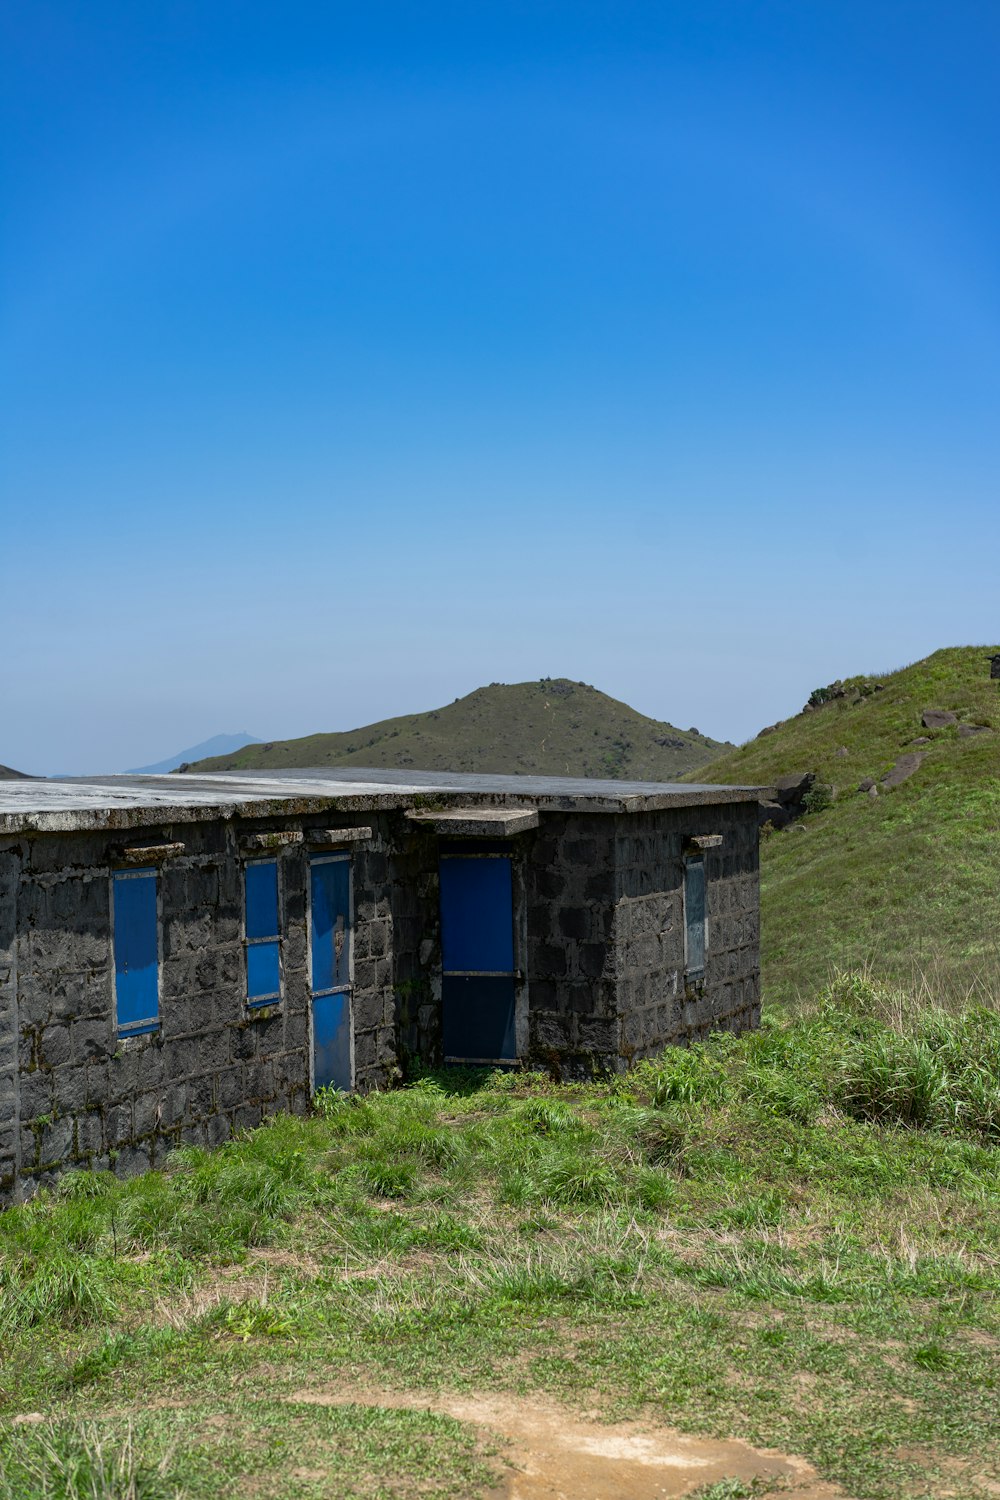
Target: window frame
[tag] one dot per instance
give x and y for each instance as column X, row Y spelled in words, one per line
column 276, row 997
column 694, row 971
column 149, row 1024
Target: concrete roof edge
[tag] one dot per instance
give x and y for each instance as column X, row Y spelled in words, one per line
column 547, row 796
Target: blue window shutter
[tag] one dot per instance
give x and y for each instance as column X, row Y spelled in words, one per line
column 137, row 968
column 330, row 921
column 261, row 879
column 477, row 930
column 332, row 1041
column 263, row 971
column 263, row 943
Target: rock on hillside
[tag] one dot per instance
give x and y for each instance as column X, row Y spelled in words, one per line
column 895, row 856
column 553, row 726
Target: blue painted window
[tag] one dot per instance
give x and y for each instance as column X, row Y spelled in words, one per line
column 695, row 924
column 137, row 952
column 330, row 923
column 477, row 930
column 478, row 991
column 330, row 975
column 263, row 942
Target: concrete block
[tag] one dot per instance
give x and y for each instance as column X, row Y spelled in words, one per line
column 131, row 1160
column 69, row 1088
column 218, row 1128
column 550, row 1031
column 89, row 1134
column 118, row 1125
column 55, row 1046
column 146, row 1111
column 92, row 1040
column 598, row 1036
column 37, row 1095
column 56, row 1142
column 575, row 922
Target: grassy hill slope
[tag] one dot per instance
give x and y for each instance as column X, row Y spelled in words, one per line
column 908, row 882
column 553, row 727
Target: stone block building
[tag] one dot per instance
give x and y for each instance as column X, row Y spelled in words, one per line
column 182, row 956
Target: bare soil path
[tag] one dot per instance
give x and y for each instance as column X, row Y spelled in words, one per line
column 553, row 1455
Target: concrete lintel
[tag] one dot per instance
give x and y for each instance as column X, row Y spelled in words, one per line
column 148, row 854
column 257, row 843
column 702, row 841
column 325, row 838
column 478, row 822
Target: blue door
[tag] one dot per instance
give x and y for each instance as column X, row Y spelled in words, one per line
column 477, row 948
column 330, row 970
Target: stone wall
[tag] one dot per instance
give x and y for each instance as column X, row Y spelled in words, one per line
column 10, row 876
column 88, row 1098
column 602, row 945
column 416, row 946
column 373, row 999
column 607, row 981
column 572, row 959
column 657, row 1002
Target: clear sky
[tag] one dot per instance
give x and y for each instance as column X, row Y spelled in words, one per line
column 357, row 354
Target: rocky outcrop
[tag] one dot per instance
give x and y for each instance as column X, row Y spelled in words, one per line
column 903, row 769
column 937, row 718
column 789, row 801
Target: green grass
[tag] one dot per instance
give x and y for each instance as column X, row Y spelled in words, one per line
column 552, row 727
column 905, row 884
column 791, row 1237
column 288, row 1450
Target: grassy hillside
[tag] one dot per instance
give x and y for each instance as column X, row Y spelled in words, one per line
column 553, row 727
column 790, row 1239
column 907, row 881
column 7, row 774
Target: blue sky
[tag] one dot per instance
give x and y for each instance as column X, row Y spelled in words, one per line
column 356, row 355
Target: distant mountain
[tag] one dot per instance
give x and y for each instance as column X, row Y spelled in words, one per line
column 219, row 744
column 6, row 774
column 893, row 860
column 552, row 726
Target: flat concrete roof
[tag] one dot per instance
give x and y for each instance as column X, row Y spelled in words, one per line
column 121, row 802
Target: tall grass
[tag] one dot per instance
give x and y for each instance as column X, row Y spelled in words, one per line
column 910, row 1061
column 873, row 1051
column 728, row 1123
column 77, row 1461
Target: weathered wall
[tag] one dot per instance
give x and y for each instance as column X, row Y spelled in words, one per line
column 10, row 876
column 604, row 954
column 657, row 1004
column 374, row 1000
column 88, row 1098
column 416, row 945
column 607, row 981
column 572, row 959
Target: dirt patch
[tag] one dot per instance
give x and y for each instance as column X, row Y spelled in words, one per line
column 554, row 1455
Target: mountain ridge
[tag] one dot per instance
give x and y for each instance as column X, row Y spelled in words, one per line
column 218, row 744
column 551, row 726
